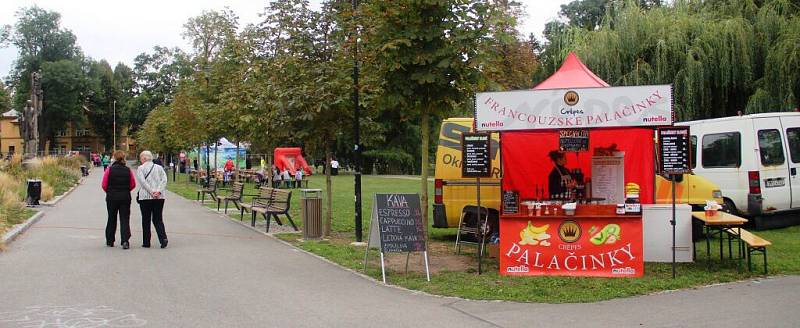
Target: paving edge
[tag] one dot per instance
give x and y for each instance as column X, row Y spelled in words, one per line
column 18, row 229
column 456, row 298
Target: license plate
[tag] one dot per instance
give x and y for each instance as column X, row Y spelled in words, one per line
column 776, row 182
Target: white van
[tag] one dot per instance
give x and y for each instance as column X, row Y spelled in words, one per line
column 753, row 158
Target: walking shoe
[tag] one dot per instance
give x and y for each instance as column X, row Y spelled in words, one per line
column 110, row 243
column 125, row 245
column 146, row 245
column 164, row 243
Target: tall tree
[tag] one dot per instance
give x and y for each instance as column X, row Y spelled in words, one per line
column 47, row 47
column 157, row 76
column 426, row 53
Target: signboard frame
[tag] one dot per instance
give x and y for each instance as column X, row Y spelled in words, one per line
column 377, row 229
column 687, row 158
column 580, row 135
column 485, row 162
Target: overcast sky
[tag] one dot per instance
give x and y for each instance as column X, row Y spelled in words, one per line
column 120, row 30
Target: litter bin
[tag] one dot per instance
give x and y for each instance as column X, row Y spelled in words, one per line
column 34, row 192
column 84, row 170
column 311, row 209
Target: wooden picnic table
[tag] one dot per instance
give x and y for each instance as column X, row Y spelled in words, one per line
column 720, row 222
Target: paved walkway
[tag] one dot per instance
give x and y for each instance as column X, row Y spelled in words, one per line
column 217, row 273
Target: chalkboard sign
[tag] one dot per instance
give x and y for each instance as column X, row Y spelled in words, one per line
column 510, row 202
column 476, row 160
column 399, row 225
column 574, row 139
column 674, row 149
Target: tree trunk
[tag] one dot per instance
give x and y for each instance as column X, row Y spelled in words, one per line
column 328, row 193
column 425, row 130
column 236, row 166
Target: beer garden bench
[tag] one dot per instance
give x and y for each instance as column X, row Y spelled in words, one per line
column 753, row 243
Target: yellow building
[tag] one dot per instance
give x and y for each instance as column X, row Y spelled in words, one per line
column 10, row 138
column 73, row 137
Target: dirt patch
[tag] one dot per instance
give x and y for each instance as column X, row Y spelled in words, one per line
column 441, row 257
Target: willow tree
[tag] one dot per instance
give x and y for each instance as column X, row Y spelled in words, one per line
column 722, row 57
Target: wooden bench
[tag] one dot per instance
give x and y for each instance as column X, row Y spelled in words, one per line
column 235, row 196
column 210, row 189
column 261, row 201
column 279, row 205
column 754, row 243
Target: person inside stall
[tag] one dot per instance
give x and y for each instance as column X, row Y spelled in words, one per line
column 560, row 180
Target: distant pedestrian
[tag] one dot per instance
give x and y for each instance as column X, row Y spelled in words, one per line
column 287, row 178
column 334, row 167
column 118, row 181
column 157, row 161
column 298, row 178
column 152, row 185
column 106, row 161
column 276, row 177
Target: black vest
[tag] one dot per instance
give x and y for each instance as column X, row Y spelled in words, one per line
column 119, row 182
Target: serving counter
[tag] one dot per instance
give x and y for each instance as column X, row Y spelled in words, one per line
column 594, row 241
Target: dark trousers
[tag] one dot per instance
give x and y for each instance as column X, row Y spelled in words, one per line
column 123, row 208
column 152, row 209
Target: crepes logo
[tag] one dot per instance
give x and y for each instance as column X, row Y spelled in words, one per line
column 571, row 98
column 569, row 231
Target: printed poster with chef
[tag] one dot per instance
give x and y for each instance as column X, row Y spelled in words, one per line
column 600, row 247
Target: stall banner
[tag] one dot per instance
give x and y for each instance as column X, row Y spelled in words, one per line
column 559, row 246
column 648, row 105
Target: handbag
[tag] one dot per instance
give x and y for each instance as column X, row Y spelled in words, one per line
column 145, row 178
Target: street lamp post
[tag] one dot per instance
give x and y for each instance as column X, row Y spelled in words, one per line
column 356, row 127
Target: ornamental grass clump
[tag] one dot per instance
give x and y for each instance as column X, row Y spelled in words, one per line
column 12, row 208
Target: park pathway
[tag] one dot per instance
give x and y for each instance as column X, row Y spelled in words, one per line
column 217, row 273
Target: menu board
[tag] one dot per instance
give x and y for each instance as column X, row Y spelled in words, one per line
column 573, row 139
column 608, row 178
column 476, row 160
column 674, row 148
column 397, row 224
column 510, row 202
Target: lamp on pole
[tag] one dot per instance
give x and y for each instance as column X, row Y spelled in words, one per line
column 114, row 147
column 356, row 126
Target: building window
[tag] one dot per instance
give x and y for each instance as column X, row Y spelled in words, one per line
column 81, row 132
column 61, row 133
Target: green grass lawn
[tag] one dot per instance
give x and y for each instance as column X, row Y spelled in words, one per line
column 784, row 256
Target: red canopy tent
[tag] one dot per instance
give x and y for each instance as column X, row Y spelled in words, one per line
column 524, row 154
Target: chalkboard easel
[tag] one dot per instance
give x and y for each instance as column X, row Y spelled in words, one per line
column 396, row 226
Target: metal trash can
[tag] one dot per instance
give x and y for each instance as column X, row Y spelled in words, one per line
column 311, row 209
column 84, row 170
column 34, row 192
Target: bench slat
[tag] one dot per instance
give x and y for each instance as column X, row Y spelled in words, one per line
column 750, row 238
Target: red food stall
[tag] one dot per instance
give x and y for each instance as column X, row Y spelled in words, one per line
column 579, row 157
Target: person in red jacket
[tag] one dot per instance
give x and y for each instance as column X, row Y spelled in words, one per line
column 118, row 182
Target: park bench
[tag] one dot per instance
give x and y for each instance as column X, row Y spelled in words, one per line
column 262, row 200
column 753, row 243
column 210, row 189
column 235, row 196
column 278, row 205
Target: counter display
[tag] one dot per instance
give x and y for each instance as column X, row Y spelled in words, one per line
column 594, row 242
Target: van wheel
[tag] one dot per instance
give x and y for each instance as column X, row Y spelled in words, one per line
column 730, row 207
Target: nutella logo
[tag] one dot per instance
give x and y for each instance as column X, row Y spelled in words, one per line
column 495, row 124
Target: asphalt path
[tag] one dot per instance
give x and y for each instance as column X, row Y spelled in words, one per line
column 218, row 273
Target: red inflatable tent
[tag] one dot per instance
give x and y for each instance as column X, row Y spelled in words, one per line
column 292, row 159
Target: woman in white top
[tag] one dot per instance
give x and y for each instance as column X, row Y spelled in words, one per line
column 152, row 181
